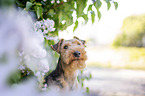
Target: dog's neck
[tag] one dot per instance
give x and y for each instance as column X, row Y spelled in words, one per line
column 69, row 75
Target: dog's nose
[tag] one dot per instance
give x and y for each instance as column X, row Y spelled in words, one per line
column 77, row 54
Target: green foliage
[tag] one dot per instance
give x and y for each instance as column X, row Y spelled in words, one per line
column 61, row 12
column 133, row 32
column 28, row 5
column 108, row 5
column 76, row 25
column 6, row 3
column 39, row 11
column 87, row 90
column 81, row 78
column 97, row 4
column 81, row 4
column 116, row 5
column 99, row 14
column 19, row 76
column 93, row 16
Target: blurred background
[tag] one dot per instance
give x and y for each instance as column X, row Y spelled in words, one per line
column 116, row 49
column 115, row 35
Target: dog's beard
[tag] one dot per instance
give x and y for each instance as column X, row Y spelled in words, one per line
column 76, row 64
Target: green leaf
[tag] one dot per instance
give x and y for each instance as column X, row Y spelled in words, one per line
column 99, row 14
column 85, row 17
column 108, row 5
column 39, row 12
column 68, row 6
column 92, row 16
column 116, row 5
column 82, row 84
column 97, row 4
column 39, row 4
column 14, row 77
column 76, row 25
column 28, row 5
column 32, row 0
column 69, row 20
column 62, row 16
column 51, row 12
column 78, row 79
column 81, row 4
column 107, row 1
column 90, row 76
column 90, row 8
column 87, row 90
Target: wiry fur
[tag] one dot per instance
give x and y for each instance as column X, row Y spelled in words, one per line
column 64, row 75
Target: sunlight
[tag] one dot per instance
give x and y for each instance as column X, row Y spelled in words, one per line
column 105, row 30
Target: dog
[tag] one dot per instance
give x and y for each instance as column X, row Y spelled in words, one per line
column 72, row 58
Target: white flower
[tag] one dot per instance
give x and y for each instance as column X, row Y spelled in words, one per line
column 38, row 24
column 21, row 67
column 58, row 1
column 28, row 72
column 39, row 36
column 49, row 23
column 39, row 31
column 44, row 88
column 20, row 59
column 52, row 1
column 43, row 74
column 65, row 0
column 45, row 66
column 26, row 57
column 23, row 71
column 51, row 38
column 63, row 22
column 43, row 27
column 51, row 29
column 45, row 31
column 38, row 74
column 21, row 53
column 45, row 85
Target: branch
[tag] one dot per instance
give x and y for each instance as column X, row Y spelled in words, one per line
column 53, row 7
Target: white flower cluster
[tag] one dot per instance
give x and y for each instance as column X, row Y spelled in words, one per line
column 18, row 36
column 45, row 26
column 21, row 45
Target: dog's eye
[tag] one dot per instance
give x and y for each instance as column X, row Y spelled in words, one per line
column 65, row 47
column 78, row 43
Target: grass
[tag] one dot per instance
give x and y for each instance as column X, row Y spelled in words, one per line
column 122, row 58
column 127, row 66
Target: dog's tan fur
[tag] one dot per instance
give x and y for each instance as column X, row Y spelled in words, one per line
column 64, row 75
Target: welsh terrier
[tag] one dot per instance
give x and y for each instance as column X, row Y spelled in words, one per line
column 72, row 57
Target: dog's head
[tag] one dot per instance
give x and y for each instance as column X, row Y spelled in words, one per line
column 72, row 52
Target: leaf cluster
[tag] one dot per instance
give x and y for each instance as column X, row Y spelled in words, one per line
column 63, row 11
column 19, row 76
column 81, row 78
column 133, row 32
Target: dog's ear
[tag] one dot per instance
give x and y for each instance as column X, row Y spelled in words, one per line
column 56, row 47
column 76, row 38
column 83, row 41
